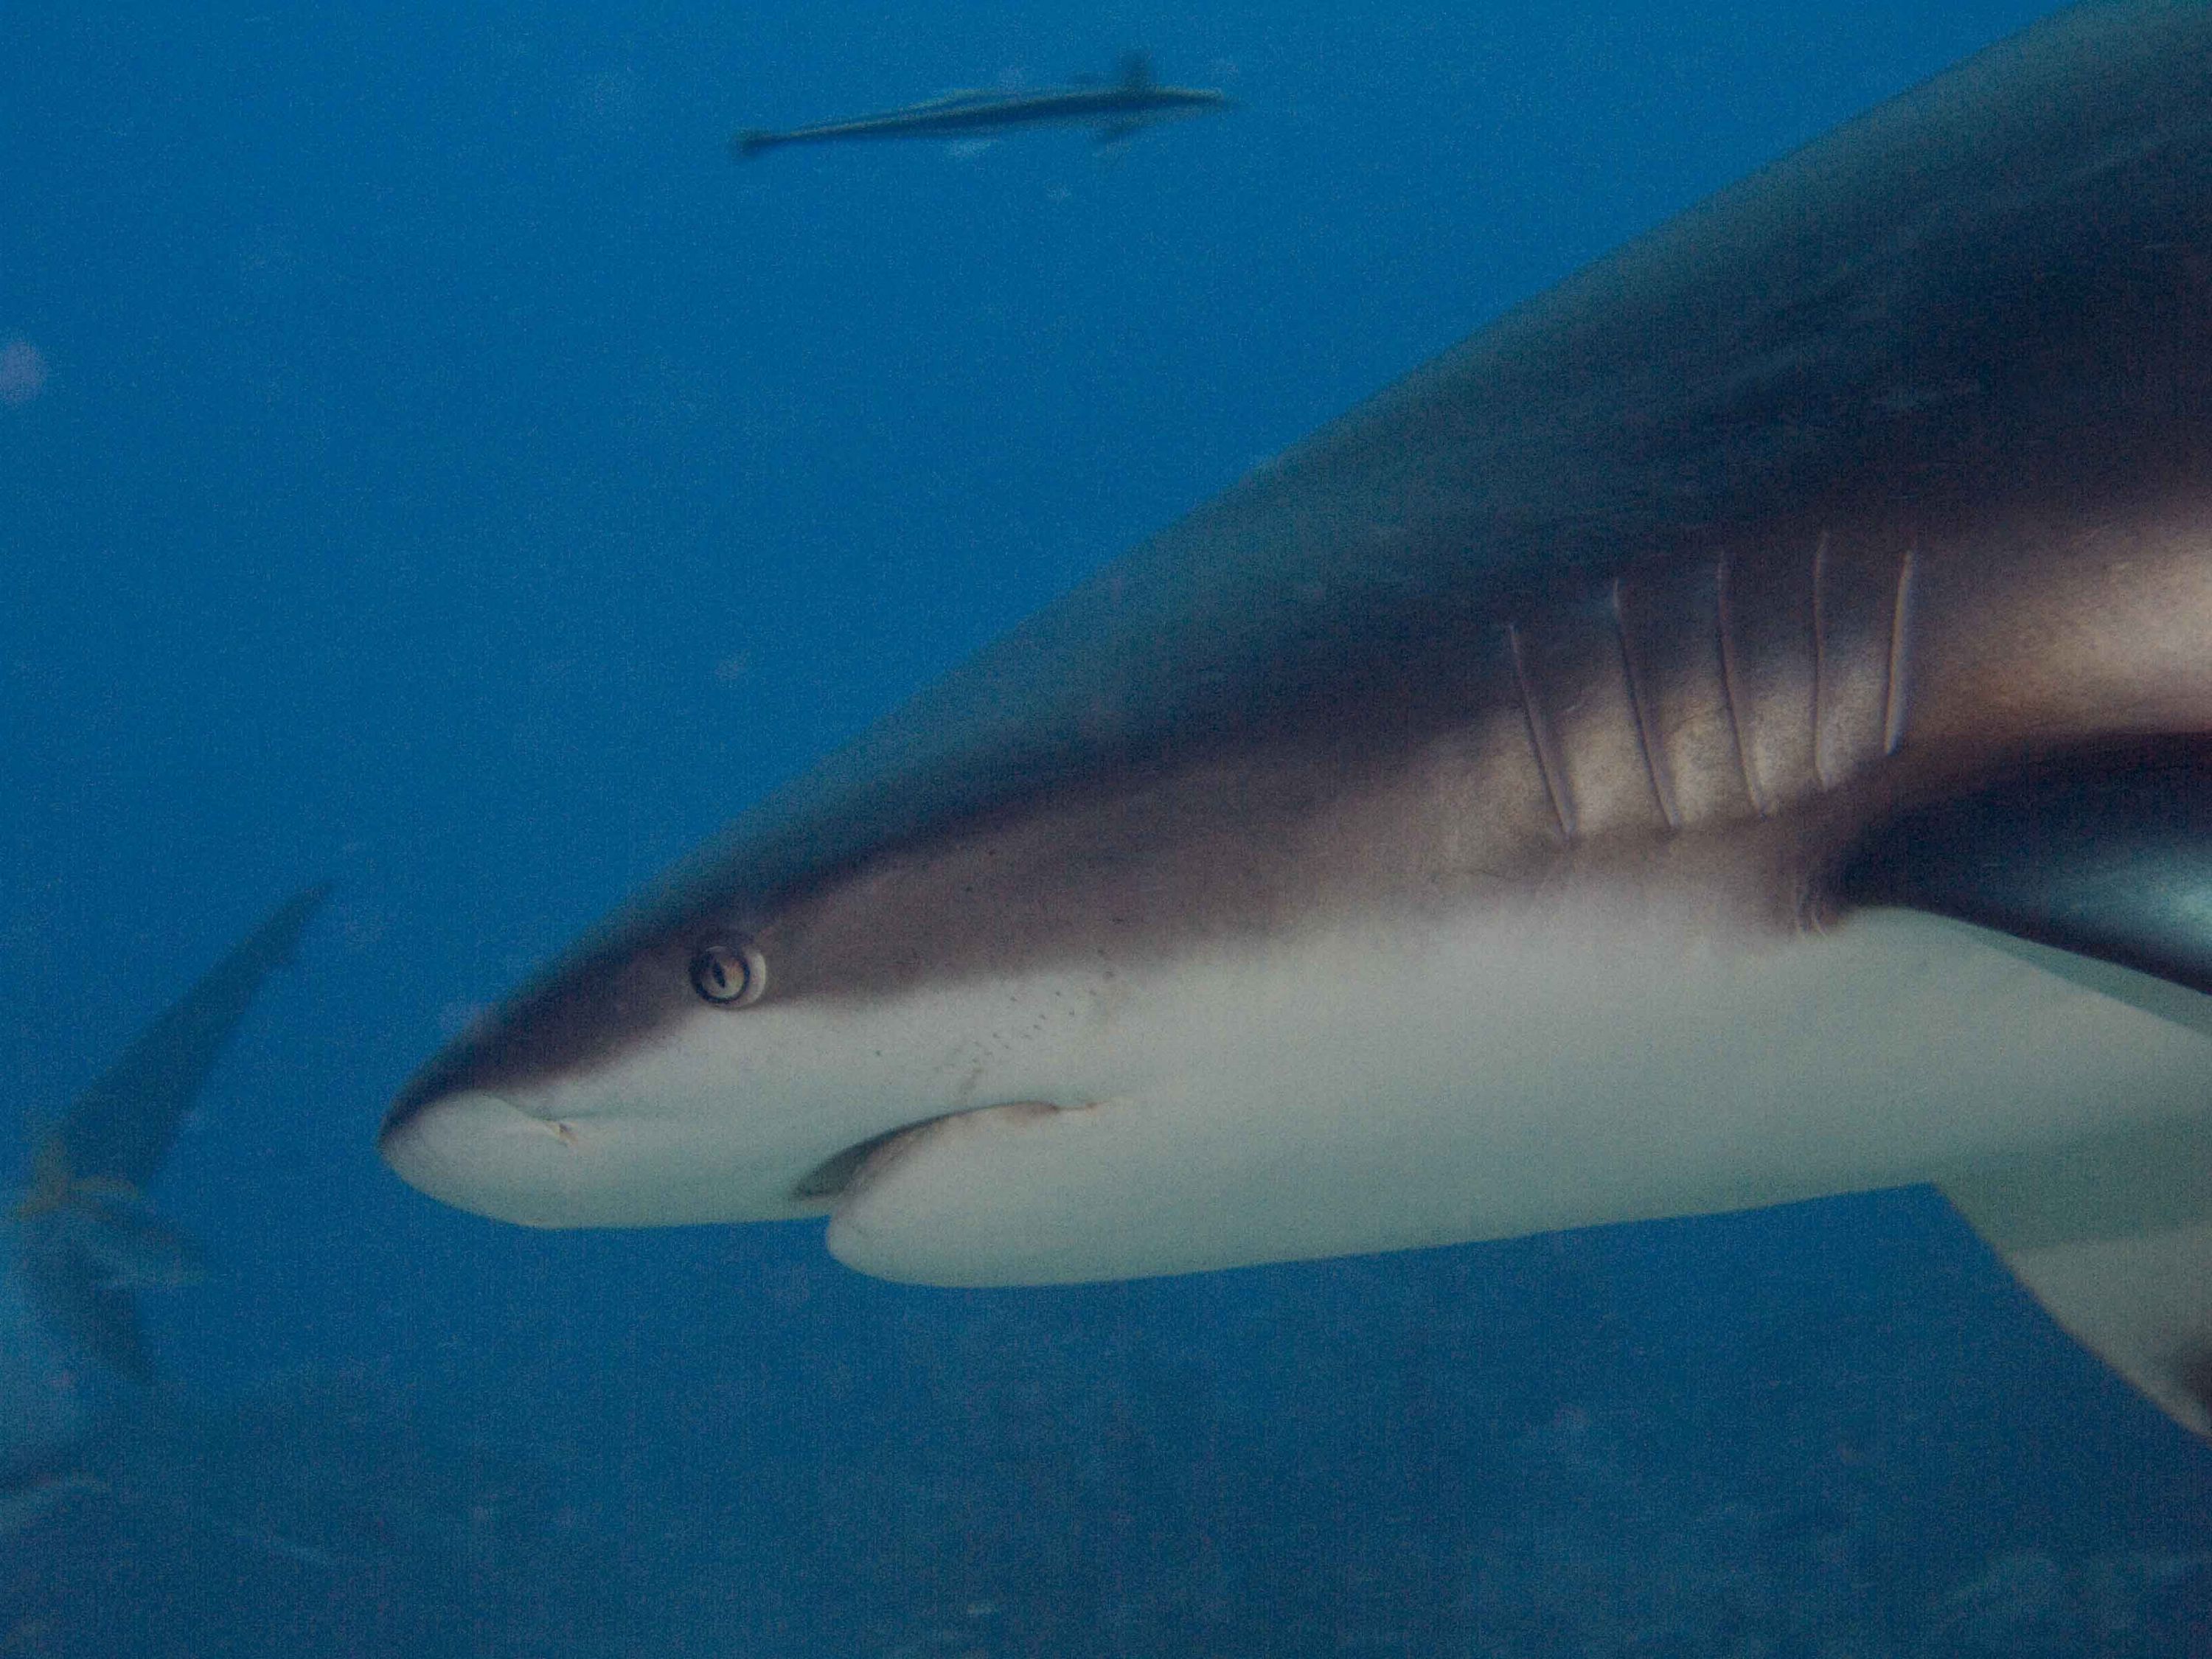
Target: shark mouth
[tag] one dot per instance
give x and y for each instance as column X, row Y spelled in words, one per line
column 847, row 1174
column 831, row 1178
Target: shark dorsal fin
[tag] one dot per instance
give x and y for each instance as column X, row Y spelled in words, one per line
column 1135, row 72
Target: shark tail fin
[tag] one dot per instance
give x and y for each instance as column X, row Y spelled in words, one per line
column 2113, row 1237
column 1133, row 73
column 53, row 1181
column 56, row 1185
column 121, row 1128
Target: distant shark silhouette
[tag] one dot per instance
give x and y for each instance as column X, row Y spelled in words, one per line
column 1115, row 111
column 1736, row 729
column 86, row 1241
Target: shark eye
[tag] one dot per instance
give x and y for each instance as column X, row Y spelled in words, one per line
column 731, row 972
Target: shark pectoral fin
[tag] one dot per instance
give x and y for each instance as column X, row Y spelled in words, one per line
column 2106, row 855
column 99, row 1318
column 2098, row 868
column 2113, row 1235
column 121, row 1128
column 1111, row 133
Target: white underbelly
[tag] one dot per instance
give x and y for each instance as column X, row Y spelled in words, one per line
column 1512, row 1072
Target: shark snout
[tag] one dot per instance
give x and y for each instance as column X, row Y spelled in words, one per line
column 478, row 1150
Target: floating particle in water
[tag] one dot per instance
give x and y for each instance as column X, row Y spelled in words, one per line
column 23, row 372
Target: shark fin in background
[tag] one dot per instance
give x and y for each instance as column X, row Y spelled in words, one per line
column 122, row 1127
column 87, row 1238
column 2114, row 1238
column 53, row 1181
column 57, row 1187
column 99, row 1319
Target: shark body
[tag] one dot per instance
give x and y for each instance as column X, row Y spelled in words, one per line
column 1738, row 728
column 1115, row 111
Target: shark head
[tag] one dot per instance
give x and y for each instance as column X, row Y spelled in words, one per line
column 1040, row 1040
column 727, row 1058
column 579, row 1103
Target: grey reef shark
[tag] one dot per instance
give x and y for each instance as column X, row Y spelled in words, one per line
column 1738, row 728
column 86, row 1241
column 1115, row 111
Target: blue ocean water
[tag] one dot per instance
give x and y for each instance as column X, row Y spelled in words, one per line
column 426, row 460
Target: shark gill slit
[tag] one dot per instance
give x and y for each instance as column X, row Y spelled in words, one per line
column 1893, row 696
column 1660, row 791
column 1539, row 738
column 1728, row 689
